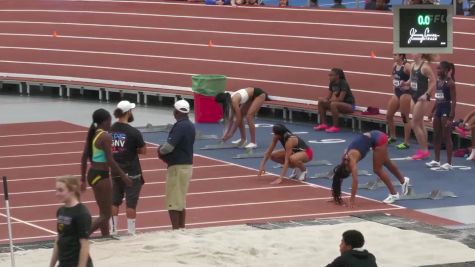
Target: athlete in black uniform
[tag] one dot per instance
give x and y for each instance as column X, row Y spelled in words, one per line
column 295, row 154
column 401, row 100
column 444, row 113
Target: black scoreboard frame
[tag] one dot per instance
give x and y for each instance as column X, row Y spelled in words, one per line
column 448, row 49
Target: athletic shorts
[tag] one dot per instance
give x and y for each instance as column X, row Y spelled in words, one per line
column 379, row 138
column 258, row 92
column 131, row 194
column 398, row 92
column 94, row 176
column 178, row 180
column 442, row 110
column 309, row 153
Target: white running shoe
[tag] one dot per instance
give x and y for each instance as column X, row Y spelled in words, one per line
column 391, row 198
column 433, row 164
column 303, row 176
column 295, row 173
column 237, row 141
column 251, row 146
column 405, row 186
column 446, row 167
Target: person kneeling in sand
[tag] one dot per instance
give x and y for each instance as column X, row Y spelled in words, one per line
column 352, row 253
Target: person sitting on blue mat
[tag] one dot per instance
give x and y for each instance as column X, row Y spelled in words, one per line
column 295, row 154
column 356, row 151
column 352, row 252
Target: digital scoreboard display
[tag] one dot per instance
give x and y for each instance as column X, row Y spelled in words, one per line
column 423, row 29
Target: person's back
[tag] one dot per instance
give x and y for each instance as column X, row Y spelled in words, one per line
column 355, row 258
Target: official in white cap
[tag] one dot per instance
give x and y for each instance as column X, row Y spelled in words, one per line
column 177, row 152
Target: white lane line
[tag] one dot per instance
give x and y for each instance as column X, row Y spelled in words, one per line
column 29, row 238
column 28, row 223
column 43, row 144
column 36, row 134
column 37, row 11
column 37, row 155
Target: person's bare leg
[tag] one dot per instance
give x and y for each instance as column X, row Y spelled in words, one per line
column 253, row 109
column 103, row 194
column 337, row 108
column 446, row 129
column 378, row 161
column 393, row 106
column 382, row 151
column 298, row 160
column 405, row 109
column 323, row 106
column 175, row 217
column 182, row 218
column 418, row 124
column 437, row 138
column 278, row 156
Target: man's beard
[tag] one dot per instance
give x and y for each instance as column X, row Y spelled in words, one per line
column 131, row 118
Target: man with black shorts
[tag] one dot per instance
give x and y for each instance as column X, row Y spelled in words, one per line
column 127, row 143
column 177, row 152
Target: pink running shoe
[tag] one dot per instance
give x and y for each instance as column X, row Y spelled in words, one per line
column 320, row 127
column 421, row 155
column 332, row 129
column 461, row 131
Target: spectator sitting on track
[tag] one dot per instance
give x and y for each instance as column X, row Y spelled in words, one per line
column 338, row 4
column 339, row 100
column 352, row 252
column 377, row 5
column 244, row 2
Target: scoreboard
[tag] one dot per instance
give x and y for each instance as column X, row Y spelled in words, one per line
column 422, row 29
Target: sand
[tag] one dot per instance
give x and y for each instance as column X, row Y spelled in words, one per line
column 248, row 246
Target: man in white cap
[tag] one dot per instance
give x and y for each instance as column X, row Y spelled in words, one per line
column 177, row 152
column 127, row 143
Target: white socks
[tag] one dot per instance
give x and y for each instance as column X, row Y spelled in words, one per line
column 114, row 222
column 131, row 226
column 472, row 155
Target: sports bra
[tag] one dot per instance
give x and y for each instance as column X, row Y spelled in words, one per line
column 244, row 95
column 98, row 155
column 301, row 145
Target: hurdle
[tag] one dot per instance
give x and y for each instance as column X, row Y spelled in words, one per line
column 435, row 194
column 329, row 175
column 310, row 164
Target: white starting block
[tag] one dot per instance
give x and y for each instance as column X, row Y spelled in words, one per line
column 435, row 194
column 375, row 184
column 329, row 175
column 311, row 163
column 249, row 154
column 149, row 128
column 220, row 146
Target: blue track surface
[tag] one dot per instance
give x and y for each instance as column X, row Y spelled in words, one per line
column 423, row 180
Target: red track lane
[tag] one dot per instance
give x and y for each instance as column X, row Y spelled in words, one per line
column 244, row 74
column 43, row 138
column 214, row 198
column 37, row 127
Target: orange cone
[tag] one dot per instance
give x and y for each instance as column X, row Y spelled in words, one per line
column 373, row 55
column 210, row 43
column 55, row 34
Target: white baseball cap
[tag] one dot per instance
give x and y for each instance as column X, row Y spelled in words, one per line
column 125, row 106
column 182, row 105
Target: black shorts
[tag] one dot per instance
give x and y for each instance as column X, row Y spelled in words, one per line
column 131, row 194
column 442, row 110
column 258, row 92
column 398, row 92
column 94, row 176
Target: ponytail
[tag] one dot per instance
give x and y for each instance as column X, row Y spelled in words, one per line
column 98, row 117
column 225, row 100
column 340, row 172
column 281, row 130
column 339, row 72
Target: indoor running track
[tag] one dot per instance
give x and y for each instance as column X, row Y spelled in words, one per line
column 221, row 193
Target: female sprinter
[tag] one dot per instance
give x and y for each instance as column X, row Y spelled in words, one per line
column 294, row 155
column 98, row 150
column 422, row 83
column 339, row 100
column 71, row 247
column 401, row 100
column 444, row 113
column 245, row 102
column 468, row 124
column 355, row 152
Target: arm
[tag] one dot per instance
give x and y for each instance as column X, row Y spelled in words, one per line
column 427, row 71
column 291, row 142
column 431, row 114
column 83, row 252
column 409, row 72
column 236, row 122
column 174, row 138
column 354, row 181
column 84, row 157
column 267, row 155
column 106, row 143
column 142, row 150
column 453, row 103
column 54, row 257
column 141, row 146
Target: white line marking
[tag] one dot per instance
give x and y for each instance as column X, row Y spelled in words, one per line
column 36, row 134
column 29, row 224
column 28, row 238
column 37, row 155
column 43, row 144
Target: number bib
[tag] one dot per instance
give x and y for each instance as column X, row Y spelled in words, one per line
column 396, row 83
column 439, row 95
column 414, row 85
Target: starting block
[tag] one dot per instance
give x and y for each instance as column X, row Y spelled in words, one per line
column 375, row 184
column 201, row 136
column 329, row 175
column 249, row 154
column 311, row 163
column 461, row 168
column 435, row 194
column 149, row 128
column 220, row 146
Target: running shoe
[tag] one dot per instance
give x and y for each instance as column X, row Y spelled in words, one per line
column 446, row 167
column 461, row 131
column 251, row 146
column 392, row 140
column 402, row 146
column 320, row 127
column 433, row 164
column 237, row 141
column 421, row 155
column 303, row 176
column 391, row 198
column 295, row 173
column 405, row 186
column 332, row 129
column 472, row 155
